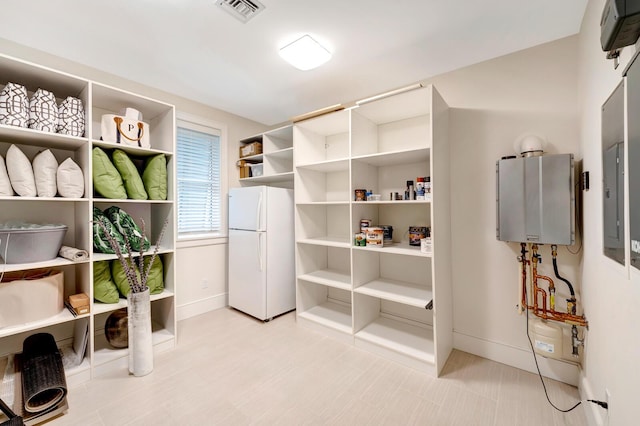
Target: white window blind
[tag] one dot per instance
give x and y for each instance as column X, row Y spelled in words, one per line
column 199, row 180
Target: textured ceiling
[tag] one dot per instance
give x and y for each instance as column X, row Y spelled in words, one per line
column 195, row 49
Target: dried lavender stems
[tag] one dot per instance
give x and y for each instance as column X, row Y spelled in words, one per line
column 137, row 277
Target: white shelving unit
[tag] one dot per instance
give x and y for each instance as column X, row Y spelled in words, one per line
column 276, row 157
column 395, row 300
column 77, row 213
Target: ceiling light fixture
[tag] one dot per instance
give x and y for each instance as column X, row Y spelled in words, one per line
column 305, row 53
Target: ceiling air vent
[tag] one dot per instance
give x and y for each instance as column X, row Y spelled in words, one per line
column 242, row 10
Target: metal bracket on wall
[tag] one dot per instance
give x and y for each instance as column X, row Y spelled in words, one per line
column 584, row 181
column 615, row 55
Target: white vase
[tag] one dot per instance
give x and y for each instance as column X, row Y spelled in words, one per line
column 140, row 342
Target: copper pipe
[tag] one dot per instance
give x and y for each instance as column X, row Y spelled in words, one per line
column 543, row 312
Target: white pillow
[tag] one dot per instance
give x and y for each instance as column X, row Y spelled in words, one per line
column 45, row 167
column 70, row 179
column 5, row 184
column 20, row 172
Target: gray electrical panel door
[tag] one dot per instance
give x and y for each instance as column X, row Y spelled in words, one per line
column 535, row 199
column 613, row 202
column 633, row 129
column 613, row 229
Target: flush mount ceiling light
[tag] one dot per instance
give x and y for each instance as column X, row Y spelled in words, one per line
column 305, row 53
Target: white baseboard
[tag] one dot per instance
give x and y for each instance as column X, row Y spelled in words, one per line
column 201, row 306
column 592, row 412
column 517, row 357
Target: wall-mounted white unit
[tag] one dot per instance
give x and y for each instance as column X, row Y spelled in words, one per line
column 536, row 199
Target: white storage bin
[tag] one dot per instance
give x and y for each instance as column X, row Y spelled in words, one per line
column 27, row 296
column 256, row 170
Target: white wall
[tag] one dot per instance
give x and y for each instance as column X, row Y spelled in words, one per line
column 611, row 293
column 197, row 261
column 493, row 103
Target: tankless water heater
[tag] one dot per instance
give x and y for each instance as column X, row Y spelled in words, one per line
column 535, row 199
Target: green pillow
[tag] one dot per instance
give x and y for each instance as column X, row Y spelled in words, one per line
column 120, row 278
column 129, row 173
column 106, row 179
column 125, row 224
column 155, row 280
column 104, row 289
column 100, row 242
column 154, row 177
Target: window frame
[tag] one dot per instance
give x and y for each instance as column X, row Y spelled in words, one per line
column 195, row 122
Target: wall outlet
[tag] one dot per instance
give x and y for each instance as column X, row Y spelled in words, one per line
column 205, row 283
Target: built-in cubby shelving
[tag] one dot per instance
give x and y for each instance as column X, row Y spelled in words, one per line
column 383, row 299
column 276, row 157
column 77, row 213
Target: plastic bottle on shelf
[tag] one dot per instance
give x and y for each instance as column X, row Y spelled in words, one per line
column 409, row 194
column 420, row 188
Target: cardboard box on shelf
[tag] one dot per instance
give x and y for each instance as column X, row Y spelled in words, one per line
column 244, row 169
column 79, row 303
column 253, row 148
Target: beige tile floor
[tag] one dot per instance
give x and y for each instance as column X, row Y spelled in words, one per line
column 229, row 369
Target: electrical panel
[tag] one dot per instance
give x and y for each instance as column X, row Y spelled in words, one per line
column 633, row 161
column 613, row 174
column 535, row 199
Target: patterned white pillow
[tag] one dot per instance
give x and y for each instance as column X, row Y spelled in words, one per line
column 71, row 117
column 43, row 111
column 14, row 105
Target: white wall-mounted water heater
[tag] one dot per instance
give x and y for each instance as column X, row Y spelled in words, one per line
column 535, row 199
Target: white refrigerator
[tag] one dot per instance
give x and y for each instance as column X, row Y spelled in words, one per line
column 261, row 251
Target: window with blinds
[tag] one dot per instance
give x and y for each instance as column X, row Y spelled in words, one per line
column 199, row 180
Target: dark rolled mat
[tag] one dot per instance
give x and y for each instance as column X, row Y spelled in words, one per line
column 43, row 381
column 14, row 420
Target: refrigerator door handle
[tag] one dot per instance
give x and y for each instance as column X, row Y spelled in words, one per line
column 260, row 251
column 259, row 213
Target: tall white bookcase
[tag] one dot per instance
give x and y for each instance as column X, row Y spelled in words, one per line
column 395, row 300
column 76, row 213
